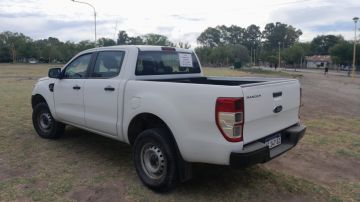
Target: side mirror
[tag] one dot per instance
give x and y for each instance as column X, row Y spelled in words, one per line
column 55, row 73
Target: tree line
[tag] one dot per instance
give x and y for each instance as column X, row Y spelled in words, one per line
column 224, row 45
column 17, row 47
column 219, row 46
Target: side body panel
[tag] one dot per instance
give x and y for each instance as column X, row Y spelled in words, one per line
column 189, row 112
column 42, row 88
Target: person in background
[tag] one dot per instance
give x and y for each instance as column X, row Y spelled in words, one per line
column 326, row 71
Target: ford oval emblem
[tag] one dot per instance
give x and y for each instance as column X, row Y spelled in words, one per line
column 278, row 109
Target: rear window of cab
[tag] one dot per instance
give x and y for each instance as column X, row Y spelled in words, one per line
column 166, row 62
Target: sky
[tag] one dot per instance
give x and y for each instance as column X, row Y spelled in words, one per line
column 179, row 20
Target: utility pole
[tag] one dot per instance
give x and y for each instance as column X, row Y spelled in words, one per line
column 94, row 15
column 279, row 56
column 255, row 56
column 251, row 57
column 355, row 19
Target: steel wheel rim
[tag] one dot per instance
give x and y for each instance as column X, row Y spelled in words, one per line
column 153, row 161
column 45, row 121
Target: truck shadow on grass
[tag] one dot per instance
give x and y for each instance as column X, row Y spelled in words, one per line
column 113, row 160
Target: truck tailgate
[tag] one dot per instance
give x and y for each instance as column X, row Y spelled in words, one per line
column 270, row 107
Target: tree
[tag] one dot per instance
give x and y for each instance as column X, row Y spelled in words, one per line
column 157, row 39
column 342, row 53
column 204, row 54
column 185, row 45
column 85, row 44
column 106, row 42
column 123, row 38
column 15, row 44
column 321, row 45
column 223, row 55
column 235, row 35
column 296, row 53
column 222, row 35
column 253, row 37
column 136, row 40
column 274, row 34
column 5, row 55
column 211, row 37
column 240, row 54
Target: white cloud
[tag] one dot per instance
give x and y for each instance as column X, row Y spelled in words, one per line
column 180, row 20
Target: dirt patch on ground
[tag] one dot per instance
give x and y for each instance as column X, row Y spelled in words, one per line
column 8, row 173
column 106, row 192
column 335, row 95
column 324, row 98
column 316, row 165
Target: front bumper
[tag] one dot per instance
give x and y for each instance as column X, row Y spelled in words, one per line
column 259, row 152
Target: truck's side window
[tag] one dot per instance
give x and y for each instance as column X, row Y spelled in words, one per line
column 77, row 68
column 108, row 64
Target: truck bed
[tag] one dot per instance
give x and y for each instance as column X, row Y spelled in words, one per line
column 225, row 81
column 261, row 97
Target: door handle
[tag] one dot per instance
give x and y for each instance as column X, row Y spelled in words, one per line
column 76, row 87
column 109, row 88
column 277, row 94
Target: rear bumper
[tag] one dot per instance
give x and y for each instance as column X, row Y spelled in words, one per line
column 259, row 152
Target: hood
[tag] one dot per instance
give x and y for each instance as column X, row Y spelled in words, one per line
column 44, row 79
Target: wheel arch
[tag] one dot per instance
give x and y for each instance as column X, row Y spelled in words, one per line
column 144, row 121
column 36, row 99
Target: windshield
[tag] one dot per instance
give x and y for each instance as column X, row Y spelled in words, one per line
column 166, row 62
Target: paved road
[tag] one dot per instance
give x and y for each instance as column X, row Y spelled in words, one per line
column 316, row 71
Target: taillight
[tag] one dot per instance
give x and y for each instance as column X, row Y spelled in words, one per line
column 229, row 116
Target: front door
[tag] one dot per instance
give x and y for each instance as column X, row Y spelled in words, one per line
column 69, row 91
column 103, row 93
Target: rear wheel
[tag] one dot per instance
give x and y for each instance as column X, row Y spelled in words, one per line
column 155, row 159
column 45, row 124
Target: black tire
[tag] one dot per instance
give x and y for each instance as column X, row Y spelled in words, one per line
column 154, row 157
column 45, row 124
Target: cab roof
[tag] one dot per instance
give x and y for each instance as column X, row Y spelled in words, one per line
column 140, row 47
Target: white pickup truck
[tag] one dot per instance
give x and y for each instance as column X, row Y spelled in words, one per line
column 157, row 100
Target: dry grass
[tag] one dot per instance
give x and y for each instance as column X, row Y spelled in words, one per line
column 224, row 71
column 83, row 166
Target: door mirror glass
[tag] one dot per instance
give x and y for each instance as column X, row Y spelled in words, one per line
column 55, row 73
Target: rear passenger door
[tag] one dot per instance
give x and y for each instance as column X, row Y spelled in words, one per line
column 103, row 92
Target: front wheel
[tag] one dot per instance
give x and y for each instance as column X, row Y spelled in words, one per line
column 155, row 159
column 45, row 124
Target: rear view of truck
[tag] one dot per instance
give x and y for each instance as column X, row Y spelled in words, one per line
column 265, row 120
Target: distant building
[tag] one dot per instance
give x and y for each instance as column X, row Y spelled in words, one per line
column 318, row 61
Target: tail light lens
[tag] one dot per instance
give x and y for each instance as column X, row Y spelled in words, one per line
column 229, row 115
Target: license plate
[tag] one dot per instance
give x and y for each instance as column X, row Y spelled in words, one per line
column 273, row 141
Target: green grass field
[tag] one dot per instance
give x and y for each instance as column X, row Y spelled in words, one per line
column 86, row 167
